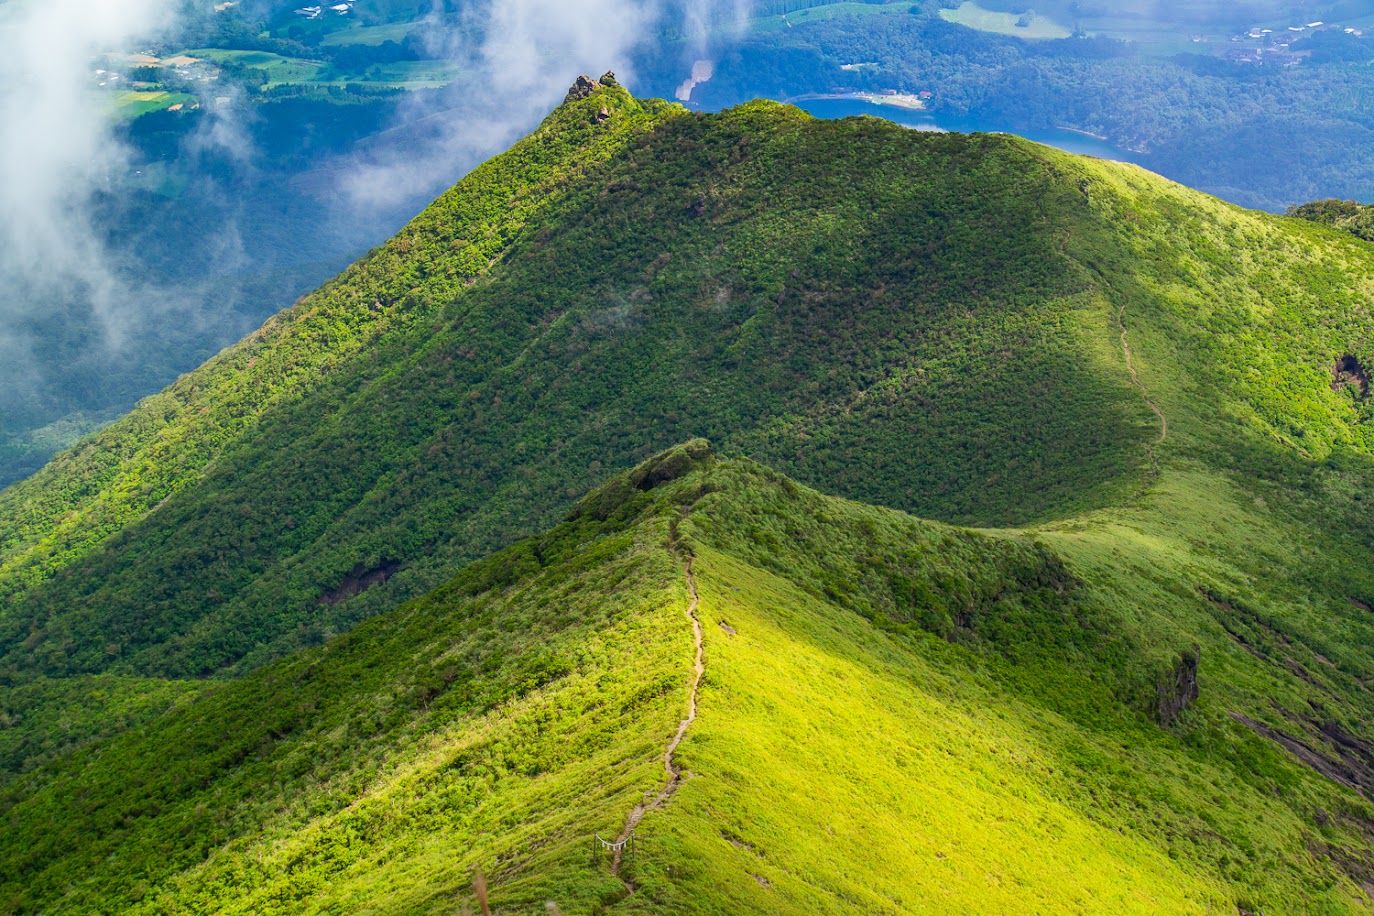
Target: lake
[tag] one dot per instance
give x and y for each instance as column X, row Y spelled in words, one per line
column 1067, row 140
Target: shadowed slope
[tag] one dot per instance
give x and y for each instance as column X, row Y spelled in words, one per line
column 879, row 311
column 895, row 716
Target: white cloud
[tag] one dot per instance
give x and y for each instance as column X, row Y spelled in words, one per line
column 525, row 55
column 56, row 148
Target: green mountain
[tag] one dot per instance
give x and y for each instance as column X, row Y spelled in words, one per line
column 1122, row 668
column 1357, row 219
column 894, row 716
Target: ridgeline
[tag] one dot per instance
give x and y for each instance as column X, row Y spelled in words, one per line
column 253, row 659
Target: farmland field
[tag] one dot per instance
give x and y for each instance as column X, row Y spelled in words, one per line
column 134, row 104
column 369, row 34
column 975, row 17
column 279, row 69
column 819, row 13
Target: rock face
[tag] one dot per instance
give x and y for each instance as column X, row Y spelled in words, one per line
column 1178, row 689
column 584, row 87
column 603, row 115
column 1349, row 373
column 608, row 79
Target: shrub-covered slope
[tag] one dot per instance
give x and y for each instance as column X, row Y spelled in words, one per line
column 1144, row 684
column 884, row 313
column 928, row 322
column 895, row 716
column 1357, row 219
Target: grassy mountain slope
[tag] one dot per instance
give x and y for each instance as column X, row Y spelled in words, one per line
column 835, row 298
column 896, row 716
column 925, row 322
column 1155, row 405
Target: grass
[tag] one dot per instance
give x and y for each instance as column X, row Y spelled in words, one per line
column 975, row 17
column 848, row 754
column 369, row 34
column 280, row 70
column 405, row 74
column 719, row 355
column 134, row 104
column 821, row 12
column 962, row 714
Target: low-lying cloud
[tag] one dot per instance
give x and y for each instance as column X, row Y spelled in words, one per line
column 517, row 59
column 56, row 149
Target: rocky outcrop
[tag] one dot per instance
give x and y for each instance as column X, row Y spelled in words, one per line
column 1327, row 748
column 608, row 79
column 584, row 87
column 1178, row 689
column 1348, row 373
column 360, row 580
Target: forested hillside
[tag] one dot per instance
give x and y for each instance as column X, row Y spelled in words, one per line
column 239, row 673
column 892, row 715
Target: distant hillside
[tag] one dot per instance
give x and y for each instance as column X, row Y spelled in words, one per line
column 1357, row 219
column 895, row 716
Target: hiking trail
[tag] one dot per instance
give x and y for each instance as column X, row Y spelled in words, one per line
column 675, row 773
column 1135, row 377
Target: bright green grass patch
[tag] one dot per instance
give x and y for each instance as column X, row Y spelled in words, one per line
column 836, row 773
column 133, row 104
column 975, row 17
column 279, row 69
column 370, row 34
column 821, row 12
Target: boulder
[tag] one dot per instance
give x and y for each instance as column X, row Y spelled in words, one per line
column 584, row 87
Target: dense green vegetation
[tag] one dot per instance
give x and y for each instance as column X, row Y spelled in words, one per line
column 841, row 299
column 1263, row 135
column 896, row 716
column 1357, row 219
column 239, row 672
column 599, row 292
column 301, row 93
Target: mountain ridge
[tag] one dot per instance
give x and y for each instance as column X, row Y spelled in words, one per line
column 444, row 737
column 1130, row 637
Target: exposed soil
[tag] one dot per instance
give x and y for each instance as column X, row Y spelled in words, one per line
column 1348, row 373
column 359, row 581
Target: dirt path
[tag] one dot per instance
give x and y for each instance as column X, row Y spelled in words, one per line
column 1135, row 377
column 675, row 774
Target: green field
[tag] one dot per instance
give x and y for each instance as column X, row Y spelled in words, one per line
column 975, row 17
column 821, row 12
column 280, row 70
column 405, row 74
column 356, row 34
column 132, row 104
column 416, row 74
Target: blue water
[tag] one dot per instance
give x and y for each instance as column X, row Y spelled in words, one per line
column 1067, row 140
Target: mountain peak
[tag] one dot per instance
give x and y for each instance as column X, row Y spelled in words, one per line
column 584, row 86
